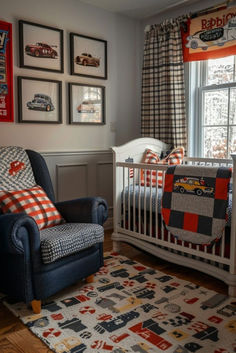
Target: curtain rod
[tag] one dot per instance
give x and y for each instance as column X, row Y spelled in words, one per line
column 209, row 9
column 201, row 12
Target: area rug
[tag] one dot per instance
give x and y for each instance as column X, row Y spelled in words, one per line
column 132, row 308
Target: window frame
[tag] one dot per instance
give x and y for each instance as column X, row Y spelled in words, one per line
column 195, row 78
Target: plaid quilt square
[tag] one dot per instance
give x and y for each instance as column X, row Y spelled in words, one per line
column 34, row 202
column 195, row 201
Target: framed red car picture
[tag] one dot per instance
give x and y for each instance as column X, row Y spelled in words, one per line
column 88, row 56
column 6, row 73
column 41, row 47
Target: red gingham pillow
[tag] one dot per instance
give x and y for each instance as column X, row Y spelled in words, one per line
column 151, row 157
column 34, row 202
column 175, row 157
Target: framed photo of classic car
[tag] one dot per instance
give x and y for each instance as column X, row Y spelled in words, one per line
column 39, row 100
column 88, row 56
column 86, row 104
column 41, row 47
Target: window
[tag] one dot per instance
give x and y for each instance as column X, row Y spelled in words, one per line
column 213, row 106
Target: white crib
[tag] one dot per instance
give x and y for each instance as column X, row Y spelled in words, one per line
column 137, row 216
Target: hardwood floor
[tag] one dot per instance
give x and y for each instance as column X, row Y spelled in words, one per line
column 16, row 338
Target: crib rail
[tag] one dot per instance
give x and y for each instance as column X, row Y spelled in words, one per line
column 138, row 211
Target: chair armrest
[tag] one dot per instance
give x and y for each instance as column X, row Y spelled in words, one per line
column 18, row 233
column 84, row 210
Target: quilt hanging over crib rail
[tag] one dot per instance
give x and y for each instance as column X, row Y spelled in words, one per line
column 195, row 201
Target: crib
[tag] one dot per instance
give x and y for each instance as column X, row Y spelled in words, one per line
column 138, row 221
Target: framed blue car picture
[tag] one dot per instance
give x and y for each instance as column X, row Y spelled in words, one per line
column 41, row 47
column 39, row 100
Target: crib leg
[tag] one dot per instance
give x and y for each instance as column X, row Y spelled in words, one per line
column 232, row 291
column 116, row 246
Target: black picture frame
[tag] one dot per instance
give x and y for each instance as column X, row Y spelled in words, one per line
column 39, row 100
column 94, row 63
column 41, row 47
column 86, row 104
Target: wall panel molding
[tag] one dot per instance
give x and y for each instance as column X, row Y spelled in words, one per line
column 82, row 173
column 71, row 181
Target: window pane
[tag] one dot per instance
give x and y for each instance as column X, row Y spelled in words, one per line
column 232, row 139
column 215, row 107
column 215, row 142
column 220, row 70
column 232, row 111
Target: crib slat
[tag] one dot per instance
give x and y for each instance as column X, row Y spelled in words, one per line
column 150, row 206
column 157, row 210
column 134, row 205
column 222, row 245
column 124, row 210
column 128, row 199
column 145, row 202
column 139, row 201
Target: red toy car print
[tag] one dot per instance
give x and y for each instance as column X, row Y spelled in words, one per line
column 40, row 50
column 16, row 166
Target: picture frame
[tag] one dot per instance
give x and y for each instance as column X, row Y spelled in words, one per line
column 41, row 47
column 39, row 100
column 88, row 56
column 6, row 73
column 86, row 104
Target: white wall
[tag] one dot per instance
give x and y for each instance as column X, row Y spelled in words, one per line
column 122, row 86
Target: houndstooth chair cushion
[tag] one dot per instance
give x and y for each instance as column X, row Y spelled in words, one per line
column 67, row 239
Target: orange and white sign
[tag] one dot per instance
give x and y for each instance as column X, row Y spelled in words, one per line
column 210, row 36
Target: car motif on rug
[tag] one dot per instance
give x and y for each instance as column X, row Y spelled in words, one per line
column 193, row 185
column 216, row 36
column 41, row 50
column 15, row 167
column 70, row 344
column 41, row 102
column 86, row 59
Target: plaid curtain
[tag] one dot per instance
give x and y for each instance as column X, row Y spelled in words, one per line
column 163, row 94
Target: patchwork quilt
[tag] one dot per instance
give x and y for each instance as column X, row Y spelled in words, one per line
column 195, row 201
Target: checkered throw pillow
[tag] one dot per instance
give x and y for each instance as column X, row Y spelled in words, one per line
column 175, row 157
column 194, row 202
column 34, row 202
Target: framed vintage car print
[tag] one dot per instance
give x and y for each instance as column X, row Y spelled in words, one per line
column 86, row 104
column 41, row 47
column 88, row 56
column 39, row 100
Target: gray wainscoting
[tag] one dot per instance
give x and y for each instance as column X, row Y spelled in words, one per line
column 81, row 174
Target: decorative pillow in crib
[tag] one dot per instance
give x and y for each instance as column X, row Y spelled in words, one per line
column 34, row 202
column 175, row 157
column 150, row 157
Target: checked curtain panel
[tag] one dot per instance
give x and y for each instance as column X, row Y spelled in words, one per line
column 163, row 95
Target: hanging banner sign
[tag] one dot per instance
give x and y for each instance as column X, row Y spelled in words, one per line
column 6, row 73
column 210, row 36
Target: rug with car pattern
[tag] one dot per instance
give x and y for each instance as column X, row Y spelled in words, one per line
column 132, row 308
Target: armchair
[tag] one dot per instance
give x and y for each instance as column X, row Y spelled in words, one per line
column 24, row 276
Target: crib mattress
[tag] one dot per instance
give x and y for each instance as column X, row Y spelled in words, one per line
column 151, row 197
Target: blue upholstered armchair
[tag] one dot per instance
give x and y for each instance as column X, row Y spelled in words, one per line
column 24, row 275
